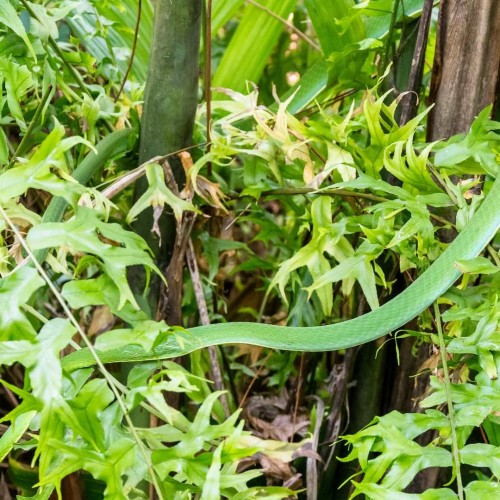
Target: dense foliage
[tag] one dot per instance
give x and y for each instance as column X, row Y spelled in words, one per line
column 313, row 205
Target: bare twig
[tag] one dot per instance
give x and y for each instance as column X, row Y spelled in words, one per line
column 132, row 53
column 290, row 26
column 311, row 467
column 205, row 320
column 208, row 76
column 130, row 177
column 410, row 101
column 31, row 126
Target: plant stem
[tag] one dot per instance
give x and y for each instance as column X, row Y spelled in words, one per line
column 107, row 376
column 289, row 25
column 75, row 75
column 132, row 52
column 340, row 192
column 208, row 76
column 389, row 35
column 449, row 399
column 31, row 126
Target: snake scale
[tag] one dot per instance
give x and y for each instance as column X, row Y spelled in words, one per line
column 434, row 282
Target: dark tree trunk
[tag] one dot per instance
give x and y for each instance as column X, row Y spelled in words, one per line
column 171, row 98
column 464, row 81
column 466, row 66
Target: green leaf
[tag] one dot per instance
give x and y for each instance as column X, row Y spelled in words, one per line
column 479, row 265
column 108, row 466
column 14, row 433
column 37, row 172
column 10, row 18
column 253, row 42
column 474, row 153
column 211, row 487
column 82, row 234
column 100, row 291
column 482, row 490
column 157, row 195
column 357, row 267
column 18, row 81
column 325, row 238
column 222, row 11
column 410, row 168
column 380, row 492
column 88, row 406
column 16, row 290
column 4, row 148
column 324, row 15
column 482, row 455
column 41, row 357
column 42, row 494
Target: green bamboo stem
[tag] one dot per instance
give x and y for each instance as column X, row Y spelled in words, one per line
column 171, row 98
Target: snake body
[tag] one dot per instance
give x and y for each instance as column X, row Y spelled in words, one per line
column 434, row 282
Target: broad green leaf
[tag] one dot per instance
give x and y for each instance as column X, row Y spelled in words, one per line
column 4, row 148
column 324, row 15
column 311, row 84
column 326, row 237
column 410, row 168
column 398, row 458
column 110, row 42
column 222, row 10
column 41, row 357
column 482, row 455
column 251, row 45
column 18, row 81
column 213, row 247
column 473, row 153
column 16, row 290
column 83, row 233
column 88, row 405
column 479, row 265
column 357, row 267
column 384, row 130
column 14, row 433
column 10, row 18
column 211, row 487
column 37, row 171
column 46, row 374
column 100, row 291
column 482, row 490
column 382, row 492
column 377, row 15
column 42, row 494
column 268, row 492
column 108, row 466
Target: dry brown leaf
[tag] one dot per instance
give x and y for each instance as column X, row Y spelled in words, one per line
column 102, row 320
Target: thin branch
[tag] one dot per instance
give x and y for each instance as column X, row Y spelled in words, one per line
column 132, row 53
column 339, row 192
column 208, row 76
column 205, row 320
column 289, row 25
column 130, row 177
column 389, row 35
column 314, row 108
column 107, row 376
column 410, row 102
column 31, row 126
column 451, row 409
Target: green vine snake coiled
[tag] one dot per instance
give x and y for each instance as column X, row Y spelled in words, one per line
column 434, row 282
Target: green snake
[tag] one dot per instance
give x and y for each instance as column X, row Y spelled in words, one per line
column 433, row 283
